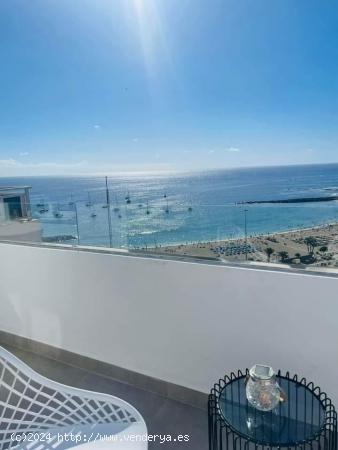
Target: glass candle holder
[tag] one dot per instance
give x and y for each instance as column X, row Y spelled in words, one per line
column 262, row 390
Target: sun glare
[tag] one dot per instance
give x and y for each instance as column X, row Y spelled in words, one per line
column 151, row 34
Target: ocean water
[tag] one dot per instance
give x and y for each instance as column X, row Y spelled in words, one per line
column 182, row 208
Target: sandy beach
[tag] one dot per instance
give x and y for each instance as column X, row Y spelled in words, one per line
column 316, row 246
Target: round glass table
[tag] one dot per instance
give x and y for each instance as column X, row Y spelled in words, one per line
column 306, row 419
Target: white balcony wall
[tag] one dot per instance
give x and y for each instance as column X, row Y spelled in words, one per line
column 181, row 322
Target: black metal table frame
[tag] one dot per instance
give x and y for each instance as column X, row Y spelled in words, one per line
column 222, row 436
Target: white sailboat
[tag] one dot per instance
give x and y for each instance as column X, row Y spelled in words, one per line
column 89, row 202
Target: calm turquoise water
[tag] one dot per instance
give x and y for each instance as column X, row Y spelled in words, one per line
column 202, row 206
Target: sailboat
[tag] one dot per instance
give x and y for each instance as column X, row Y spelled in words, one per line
column 190, row 207
column 128, row 201
column 148, row 211
column 57, row 214
column 93, row 212
column 42, row 206
column 89, row 202
column 71, row 202
column 116, row 207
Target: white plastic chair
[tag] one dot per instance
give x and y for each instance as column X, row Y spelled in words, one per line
column 37, row 414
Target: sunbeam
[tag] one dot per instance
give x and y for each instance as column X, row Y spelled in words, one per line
column 152, row 37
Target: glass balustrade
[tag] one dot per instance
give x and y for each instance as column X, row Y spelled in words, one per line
column 297, row 235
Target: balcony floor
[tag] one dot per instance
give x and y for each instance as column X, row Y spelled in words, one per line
column 162, row 416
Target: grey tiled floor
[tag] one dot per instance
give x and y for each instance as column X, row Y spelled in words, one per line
column 162, row 416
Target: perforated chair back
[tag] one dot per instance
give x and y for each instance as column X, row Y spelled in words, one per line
column 31, row 404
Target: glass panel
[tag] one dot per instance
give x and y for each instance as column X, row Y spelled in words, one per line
column 140, row 217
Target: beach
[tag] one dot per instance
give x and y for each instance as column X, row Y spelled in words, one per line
column 291, row 247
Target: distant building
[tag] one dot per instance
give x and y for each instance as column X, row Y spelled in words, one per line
column 16, row 222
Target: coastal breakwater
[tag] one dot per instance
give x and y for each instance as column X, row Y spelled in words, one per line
column 293, row 200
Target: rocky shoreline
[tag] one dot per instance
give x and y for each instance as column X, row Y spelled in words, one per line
column 330, row 198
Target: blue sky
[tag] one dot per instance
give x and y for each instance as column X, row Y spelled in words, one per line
column 98, row 86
